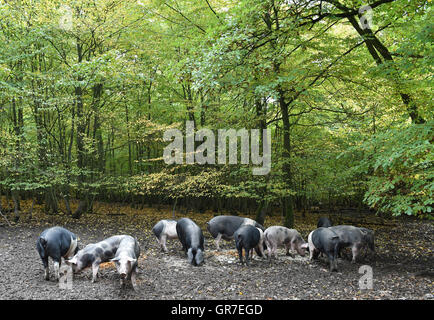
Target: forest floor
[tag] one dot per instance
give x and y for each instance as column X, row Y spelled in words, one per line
column 402, row 264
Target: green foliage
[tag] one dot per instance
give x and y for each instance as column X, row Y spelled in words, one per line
column 400, row 167
column 83, row 107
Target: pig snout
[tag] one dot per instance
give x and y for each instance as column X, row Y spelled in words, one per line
column 301, row 249
column 123, row 268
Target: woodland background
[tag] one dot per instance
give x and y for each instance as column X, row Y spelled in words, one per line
column 87, row 89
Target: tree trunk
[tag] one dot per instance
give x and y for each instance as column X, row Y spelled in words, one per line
column 261, row 212
column 16, row 199
column 287, row 201
column 81, row 132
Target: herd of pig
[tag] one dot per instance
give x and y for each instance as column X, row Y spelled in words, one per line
column 124, row 250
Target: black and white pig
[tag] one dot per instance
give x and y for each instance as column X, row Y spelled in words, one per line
column 94, row 254
column 223, row 227
column 56, row 242
column 163, row 230
column 191, row 237
column 275, row 236
column 354, row 238
column 324, row 222
column 126, row 260
column 247, row 237
column 326, row 241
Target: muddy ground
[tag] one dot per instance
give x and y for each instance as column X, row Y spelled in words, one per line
column 402, row 265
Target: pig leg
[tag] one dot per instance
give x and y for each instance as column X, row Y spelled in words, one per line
column 268, row 249
column 287, row 247
column 292, row 247
column 311, row 249
column 365, row 251
column 271, row 252
column 47, row 272
column 163, row 243
column 332, row 261
column 57, row 258
column 247, row 257
column 159, row 241
column 240, row 255
column 333, row 264
column 95, row 268
column 133, row 279
column 217, row 241
column 275, row 251
column 56, row 269
column 261, row 248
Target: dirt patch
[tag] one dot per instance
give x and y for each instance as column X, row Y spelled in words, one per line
column 402, row 265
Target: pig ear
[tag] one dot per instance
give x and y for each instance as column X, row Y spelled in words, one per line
column 364, row 232
column 132, row 260
column 73, row 260
column 115, row 259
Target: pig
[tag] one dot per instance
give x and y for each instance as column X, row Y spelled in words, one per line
column 355, row 238
column 165, row 229
column 56, row 242
column 191, row 237
column 324, row 222
column 275, row 236
column 94, row 254
column 247, row 237
column 126, row 260
column 225, row 226
column 326, row 241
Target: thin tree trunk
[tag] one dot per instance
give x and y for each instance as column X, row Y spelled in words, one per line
column 287, row 201
column 81, row 131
